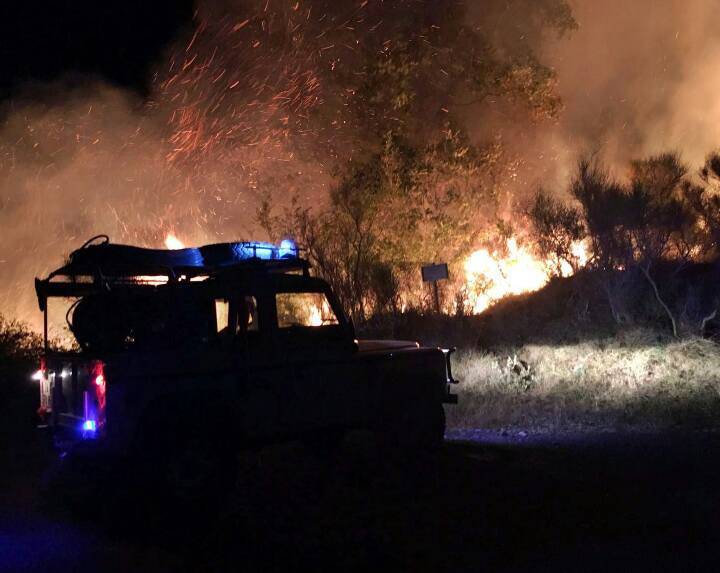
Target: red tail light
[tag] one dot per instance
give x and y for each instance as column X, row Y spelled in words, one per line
column 95, row 400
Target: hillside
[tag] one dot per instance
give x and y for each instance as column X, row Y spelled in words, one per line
column 564, row 357
column 586, row 306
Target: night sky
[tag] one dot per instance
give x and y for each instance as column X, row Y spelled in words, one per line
column 115, row 40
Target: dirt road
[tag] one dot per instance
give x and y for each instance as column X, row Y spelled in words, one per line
column 517, row 502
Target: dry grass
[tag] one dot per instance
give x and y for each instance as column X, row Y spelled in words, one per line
column 629, row 380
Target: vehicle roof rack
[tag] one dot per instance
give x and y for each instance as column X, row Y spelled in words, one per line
column 101, row 265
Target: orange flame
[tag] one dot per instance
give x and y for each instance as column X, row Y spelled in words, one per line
column 173, row 243
column 492, row 276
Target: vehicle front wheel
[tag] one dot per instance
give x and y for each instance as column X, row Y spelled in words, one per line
column 416, row 427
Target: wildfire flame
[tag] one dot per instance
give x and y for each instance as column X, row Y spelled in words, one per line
column 489, row 276
column 315, row 317
column 318, row 312
column 492, row 276
column 173, row 243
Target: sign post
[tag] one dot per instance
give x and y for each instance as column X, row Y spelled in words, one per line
column 433, row 274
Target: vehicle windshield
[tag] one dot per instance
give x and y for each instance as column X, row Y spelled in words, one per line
column 304, row 309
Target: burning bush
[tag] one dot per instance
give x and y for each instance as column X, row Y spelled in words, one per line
column 390, row 213
column 268, row 100
column 558, row 231
column 645, row 230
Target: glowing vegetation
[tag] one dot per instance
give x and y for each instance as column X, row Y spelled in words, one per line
column 264, row 100
column 491, row 276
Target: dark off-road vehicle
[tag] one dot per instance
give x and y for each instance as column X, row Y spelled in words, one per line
column 205, row 351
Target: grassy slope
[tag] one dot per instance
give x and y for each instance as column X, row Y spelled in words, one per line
column 557, row 358
column 604, row 383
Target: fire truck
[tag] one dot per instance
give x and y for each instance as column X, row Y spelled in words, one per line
column 184, row 357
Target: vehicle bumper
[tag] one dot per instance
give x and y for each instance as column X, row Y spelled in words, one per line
column 449, row 397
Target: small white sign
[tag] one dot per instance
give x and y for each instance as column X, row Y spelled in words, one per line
column 431, row 273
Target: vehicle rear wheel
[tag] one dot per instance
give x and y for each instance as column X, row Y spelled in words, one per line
column 198, row 473
column 326, row 443
column 182, row 463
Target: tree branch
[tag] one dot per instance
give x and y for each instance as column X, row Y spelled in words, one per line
column 646, row 272
column 707, row 319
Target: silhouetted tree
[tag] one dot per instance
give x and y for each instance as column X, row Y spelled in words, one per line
column 658, row 215
column 659, row 219
column 704, row 200
column 20, row 350
column 603, row 202
column 557, row 227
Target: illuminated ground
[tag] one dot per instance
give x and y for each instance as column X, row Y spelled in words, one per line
column 513, row 502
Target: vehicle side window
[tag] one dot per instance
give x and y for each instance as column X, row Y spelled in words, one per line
column 306, row 309
column 222, row 314
column 236, row 316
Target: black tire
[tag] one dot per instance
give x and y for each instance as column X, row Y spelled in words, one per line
column 182, row 463
column 198, row 473
column 75, row 481
column 432, row 428
column 326, row 443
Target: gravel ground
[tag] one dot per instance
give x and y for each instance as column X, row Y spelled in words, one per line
column 492, row 500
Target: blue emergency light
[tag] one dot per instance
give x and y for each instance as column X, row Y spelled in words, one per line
column 225, row 254
column 89, row 426
column 111, row 257
column 259, row 250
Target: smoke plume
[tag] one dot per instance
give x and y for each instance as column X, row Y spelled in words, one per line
column 196, row 156
column 636, row 78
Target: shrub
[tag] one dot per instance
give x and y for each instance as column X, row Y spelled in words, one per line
column 557, row 227
column 20, row 349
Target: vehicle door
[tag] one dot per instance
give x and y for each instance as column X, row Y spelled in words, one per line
column 315, row 346
column 243, row 329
